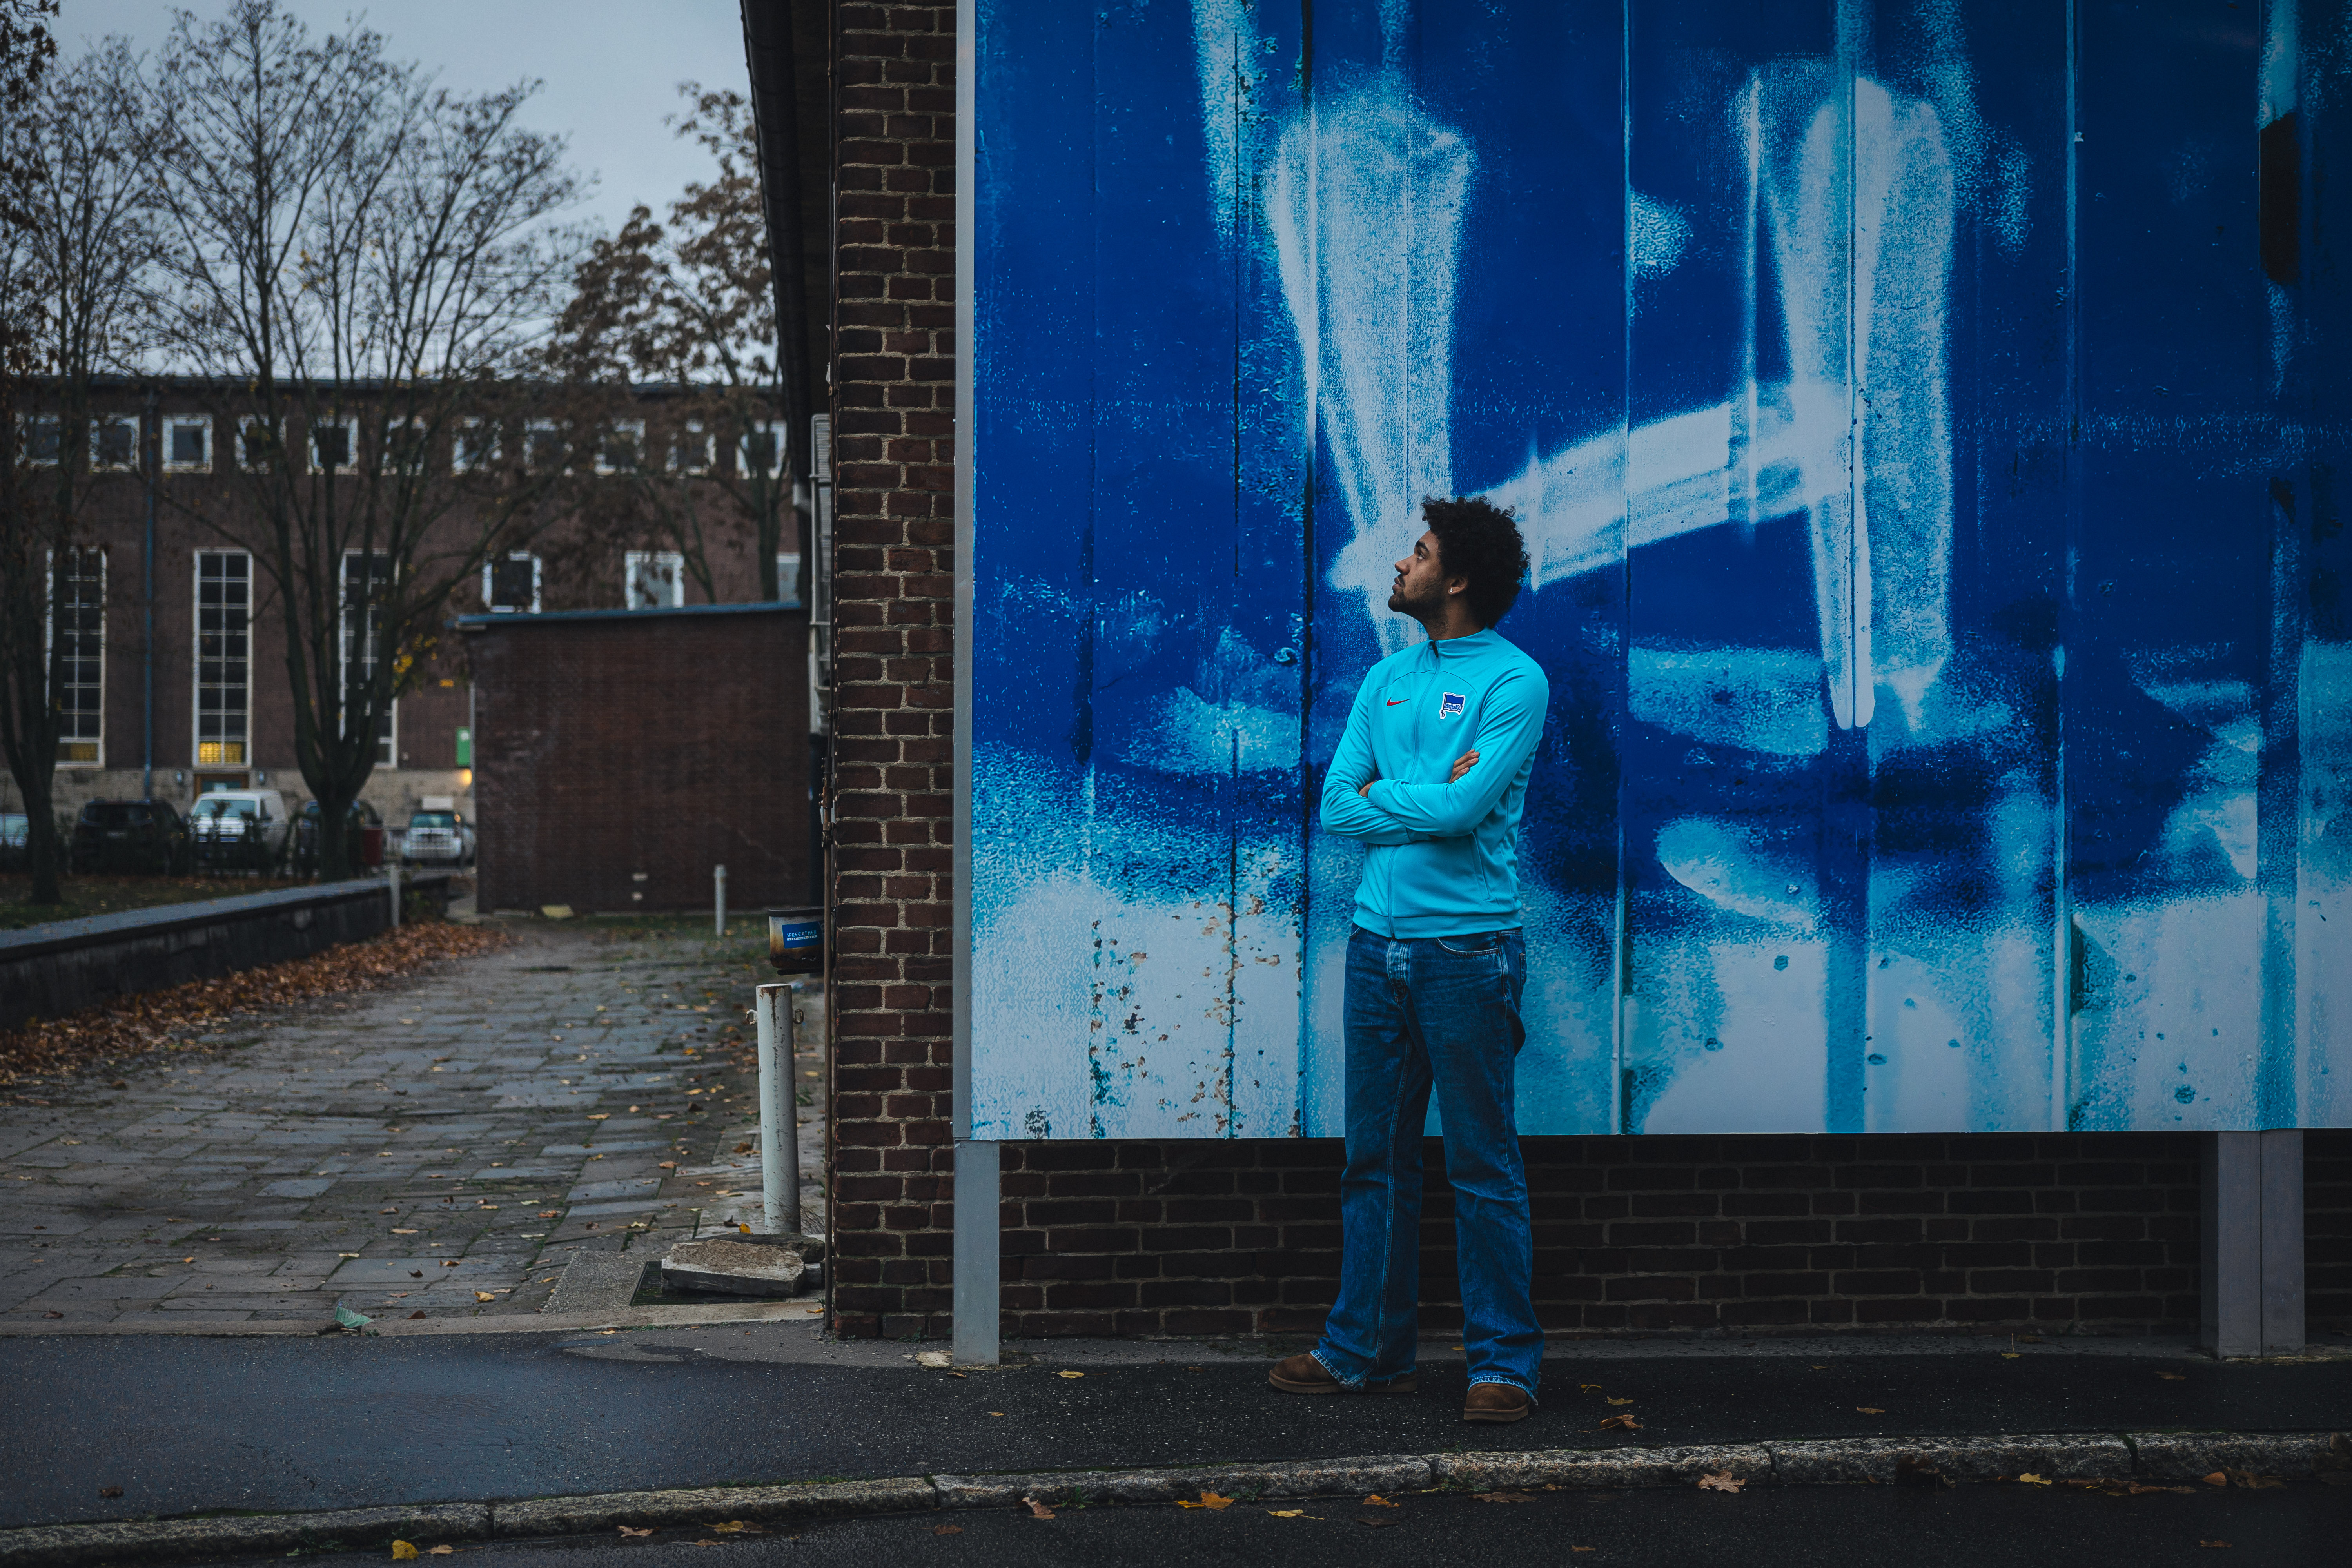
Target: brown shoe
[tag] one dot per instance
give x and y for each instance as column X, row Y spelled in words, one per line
column 1302, row 1374
column 1496, row 1402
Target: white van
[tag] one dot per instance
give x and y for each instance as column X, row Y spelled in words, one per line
column 244, row 828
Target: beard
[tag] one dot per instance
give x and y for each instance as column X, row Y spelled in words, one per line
column 1402, row 602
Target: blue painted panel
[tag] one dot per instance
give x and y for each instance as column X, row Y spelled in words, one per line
column 1928, row 458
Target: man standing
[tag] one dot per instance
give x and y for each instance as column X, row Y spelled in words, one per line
column 1431, row 775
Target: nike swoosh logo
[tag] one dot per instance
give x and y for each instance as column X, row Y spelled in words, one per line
column 1400, row 701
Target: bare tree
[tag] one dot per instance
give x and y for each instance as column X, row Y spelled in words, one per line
column 691, row 304
column 362, row 261
column 73, row 268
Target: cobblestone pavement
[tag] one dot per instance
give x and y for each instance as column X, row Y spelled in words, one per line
column 444, row 1147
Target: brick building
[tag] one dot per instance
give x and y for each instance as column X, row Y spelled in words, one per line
column 203, row 699
column 591, row 790
column 2094, row 1234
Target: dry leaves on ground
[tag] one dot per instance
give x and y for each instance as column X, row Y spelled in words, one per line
column 1376, row 1501
column 1721, row 1481
column 154, row 1020
column 1624, row 1420
column 633, row 1529
column 1504, row 1497
column 1037, row 1510
column 403, row 1551
column 1207, row 1500
column 1870, row 1409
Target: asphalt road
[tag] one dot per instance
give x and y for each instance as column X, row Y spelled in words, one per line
column 1811, row 1527
column 184, row 1425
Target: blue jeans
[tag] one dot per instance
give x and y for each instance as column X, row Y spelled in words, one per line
column 1440, row 1011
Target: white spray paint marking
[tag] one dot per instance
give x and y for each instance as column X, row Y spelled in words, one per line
column 1366, row 205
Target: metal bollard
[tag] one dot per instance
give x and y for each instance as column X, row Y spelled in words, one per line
column 779, row 1135
column 392, row 879
column 718, row 898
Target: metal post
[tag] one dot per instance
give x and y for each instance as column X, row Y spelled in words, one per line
column 780, row 1136
column 392, row 880
column 2251, row 1244
column 718, row 900
column 976, row 1323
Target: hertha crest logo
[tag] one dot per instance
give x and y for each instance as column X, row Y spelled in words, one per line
column 1449, row 705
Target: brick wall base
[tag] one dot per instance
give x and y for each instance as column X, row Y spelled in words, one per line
column 2077, row 1233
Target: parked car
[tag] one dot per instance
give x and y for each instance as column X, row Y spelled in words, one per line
column 243, row 830
column 16, row 841
column 147, row 836
column 438, row 837
column 305, row 832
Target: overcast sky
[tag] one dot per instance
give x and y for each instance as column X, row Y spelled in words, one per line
column 611, row 70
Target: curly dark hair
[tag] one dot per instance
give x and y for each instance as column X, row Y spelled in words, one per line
column 1480, row 541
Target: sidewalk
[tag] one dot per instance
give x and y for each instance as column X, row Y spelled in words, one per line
column 184, row 1425
column 447, row 1146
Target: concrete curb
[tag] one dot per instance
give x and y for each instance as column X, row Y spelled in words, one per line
column 679, row 1317
column 2166, row 1456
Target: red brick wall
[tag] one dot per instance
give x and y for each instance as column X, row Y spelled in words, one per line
column 656, row 742
column 1633, row 1235
column 893, row 408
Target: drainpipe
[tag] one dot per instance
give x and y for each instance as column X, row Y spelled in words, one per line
column 147, row 577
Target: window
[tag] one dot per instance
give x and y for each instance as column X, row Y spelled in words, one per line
column 406, row 446
column 512, row 586
column 188, row 443
column 788, row 577
column 367, row 579
column 334, row 444
column 113, row 441
column 693, row 450
column 761, row 451
column 543, row 446
column 256, row 445
column 224, row 648
column 78, row 638
column 41, row 437
column 657, row 579
column 619, row 448
column 476, row 446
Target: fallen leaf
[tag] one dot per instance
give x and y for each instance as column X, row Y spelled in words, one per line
column 1623, row 1418
column 932, row 1358
column 1376, row 1501
column 448, row 1263
column 1503, row 1497
column 413, row 1316
column 2217, row 1480
column 743, row 1148
column 736, row 1527
column 53, row 1314
column 947, row 1530
column 416, row 1274
column 2010, row 1355
column 1070, row 1375
column 1585, row 1549
column 1037, row 1510
column 996, row 1412
column 1588, row 1388
column 1820, row 1369
column 549, row 1214
column 1721, row 1481
column 443, row 1552
column 484, row 1296
column 599, row 1116
column 402, row 1552
column 1287, row 1513
column 1870, row 1409
column 404, row 1230
column 109, row 1491
column 2213, row 1543
column 666, row 1165
column 2253, row 1482
column 1614, row 1401
column 2030, row 1479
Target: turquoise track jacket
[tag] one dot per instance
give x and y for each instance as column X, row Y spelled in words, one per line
column 1440, row 860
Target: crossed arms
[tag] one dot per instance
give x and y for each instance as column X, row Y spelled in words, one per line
column 1358, row 803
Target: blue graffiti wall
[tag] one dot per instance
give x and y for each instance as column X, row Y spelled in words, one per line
column 1927, row 420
